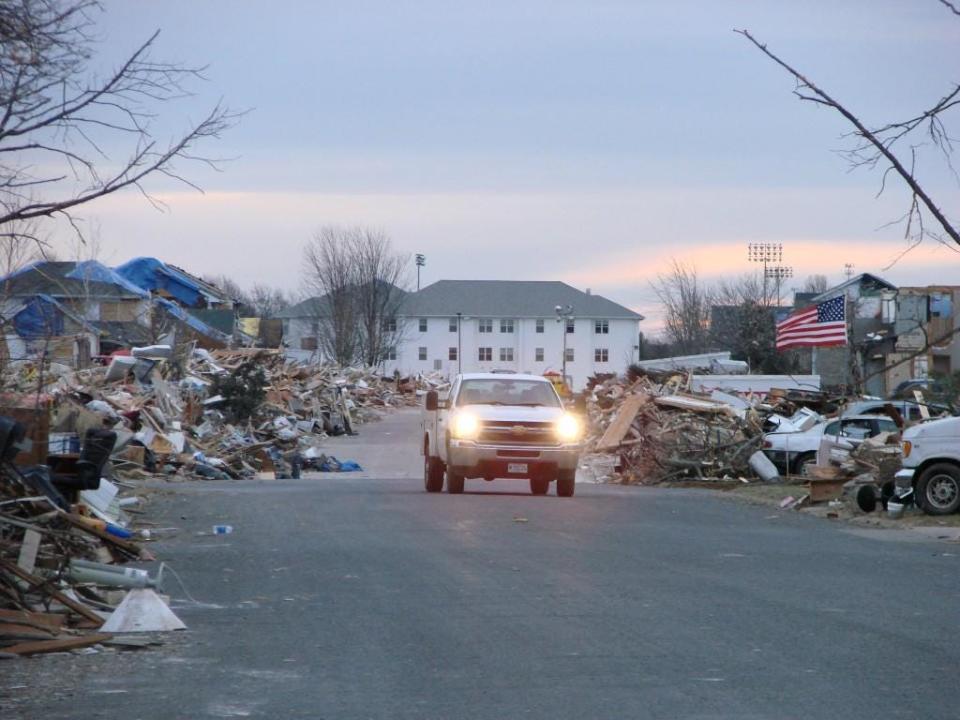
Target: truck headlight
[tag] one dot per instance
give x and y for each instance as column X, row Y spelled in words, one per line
column 568, row 428
column 907, row 447
column 465, row 426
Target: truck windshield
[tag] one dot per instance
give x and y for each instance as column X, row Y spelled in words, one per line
column 507, row 392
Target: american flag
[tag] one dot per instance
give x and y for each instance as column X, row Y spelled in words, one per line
column 819, row 326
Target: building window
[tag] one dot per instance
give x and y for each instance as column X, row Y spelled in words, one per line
column 392, row 354
column 308, row 343
column 506, row 326
column 486, row 325
column 484, row 354
column 506, row 354
column 390, row 325
column 601, row 327
column 601, row 355
column 452, row 353
column 423, row 353
column 569, row 355
column 453, row 324
column 538, row 355
column 540, row 325
column 570, row 326
column 423, row 324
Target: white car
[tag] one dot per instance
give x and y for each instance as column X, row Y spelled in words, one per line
column 790, row 451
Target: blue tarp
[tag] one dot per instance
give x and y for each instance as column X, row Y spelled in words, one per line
column 41, row 317
column 92, row 271
column 152, row 274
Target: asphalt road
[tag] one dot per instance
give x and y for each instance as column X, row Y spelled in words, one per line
column 361, row 596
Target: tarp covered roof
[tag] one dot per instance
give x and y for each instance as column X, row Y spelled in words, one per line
column 155, row 275
column 87, row 279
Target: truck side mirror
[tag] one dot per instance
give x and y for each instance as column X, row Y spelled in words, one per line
column 432, row 400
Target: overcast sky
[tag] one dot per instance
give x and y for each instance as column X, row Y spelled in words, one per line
column 588, row 141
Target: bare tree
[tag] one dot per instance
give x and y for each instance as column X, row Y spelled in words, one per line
column 744, row 322
column 380, row 274
column 265, row 301
column 68, row 137
column 686, row 307
column 875, row 147
column 358, row 280
column 815, row 284
column 230, row 287
column 329, row 275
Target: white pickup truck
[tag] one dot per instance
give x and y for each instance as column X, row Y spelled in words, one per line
column 931, row 466
column 494, row 425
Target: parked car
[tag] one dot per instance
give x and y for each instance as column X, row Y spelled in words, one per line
column 910, row 410
column 928, row 386
column 790, row 451
column 931, row 466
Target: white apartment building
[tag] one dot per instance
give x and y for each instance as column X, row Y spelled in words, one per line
column 456, row 326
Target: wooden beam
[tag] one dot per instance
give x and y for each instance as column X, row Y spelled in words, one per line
column 57, row 645
column 77, row 607
column 617, row 430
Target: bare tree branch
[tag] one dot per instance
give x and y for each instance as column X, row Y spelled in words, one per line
column 950, row 6
column 882, row 140
column 51, row 107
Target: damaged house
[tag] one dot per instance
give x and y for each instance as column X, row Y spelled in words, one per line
column 74, row 311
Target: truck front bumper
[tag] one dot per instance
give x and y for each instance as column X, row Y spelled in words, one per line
column 904, row 478
column 474, row 460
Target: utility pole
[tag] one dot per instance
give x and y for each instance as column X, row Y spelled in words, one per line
column 421, row 260
column 848, row 270
column 459, row 344
column 565, row 316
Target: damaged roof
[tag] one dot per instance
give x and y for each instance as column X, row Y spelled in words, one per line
column 60, row 279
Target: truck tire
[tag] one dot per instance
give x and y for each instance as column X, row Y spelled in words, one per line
column 454, row 482
column 566, row 483
column 539, row 486
column 938, row 489
column 432, row 474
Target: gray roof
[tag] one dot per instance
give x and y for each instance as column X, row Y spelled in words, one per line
column 866, row 279
column 306, row 308
column 509, row 298
column 491, row 298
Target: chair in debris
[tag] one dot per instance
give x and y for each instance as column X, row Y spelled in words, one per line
column 97, row 446
column 31, row 480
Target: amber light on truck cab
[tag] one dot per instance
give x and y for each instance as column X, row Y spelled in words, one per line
column 465, row 425
column 907, row 447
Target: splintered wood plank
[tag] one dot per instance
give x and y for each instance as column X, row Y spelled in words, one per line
column 617, row 430
column 54, row 621
column 12, row 632
column 57, row 645
column 34, row 581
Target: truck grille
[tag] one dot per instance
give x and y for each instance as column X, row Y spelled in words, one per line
column 496, row 432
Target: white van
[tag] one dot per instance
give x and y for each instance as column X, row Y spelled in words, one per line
column 931, row 466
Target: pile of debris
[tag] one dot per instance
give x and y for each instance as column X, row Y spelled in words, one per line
column 63, row 580
column 193, row 413
column 71, row 441
column 661, row 432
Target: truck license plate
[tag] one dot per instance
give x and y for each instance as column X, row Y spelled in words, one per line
column 516, row 468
